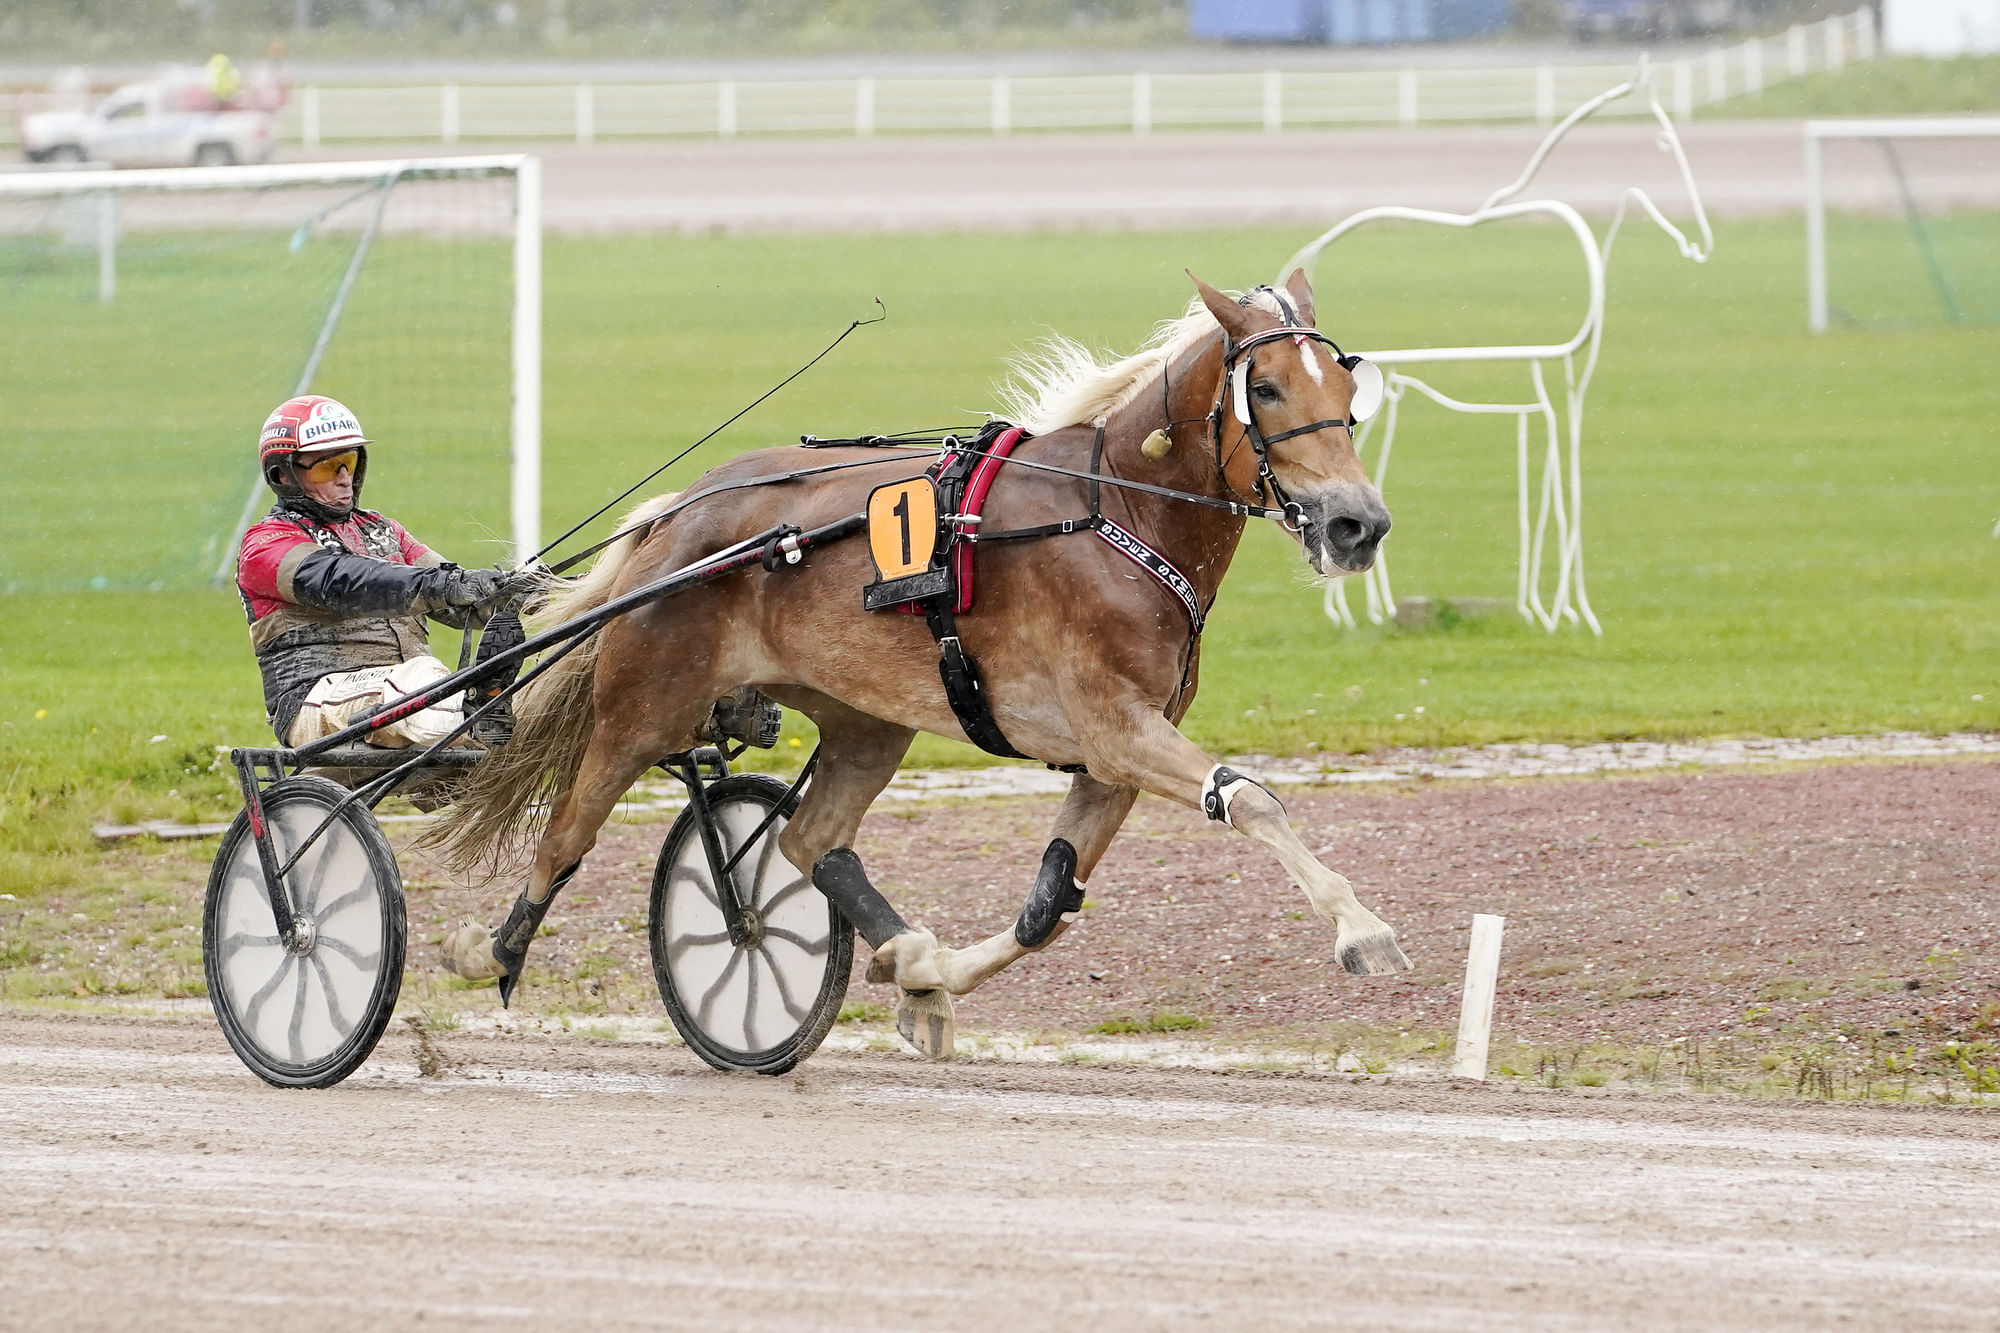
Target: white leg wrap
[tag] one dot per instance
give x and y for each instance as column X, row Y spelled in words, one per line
column 1220, row 788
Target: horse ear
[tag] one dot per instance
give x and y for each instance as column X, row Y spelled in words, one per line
column 1234, row 318
column 1301, row 293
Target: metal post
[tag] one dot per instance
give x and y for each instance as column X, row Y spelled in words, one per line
column 1836, row 49
column 1003, row 108
column 1795, row 51
column 725, row 109
column 309, row 118
column 448, row 113
column 1683, row 89
column 1815, row 236
column 1406, row 99
column 1142, row 104
column 1753, row 66
column 1718, row 76
column 1864, row 33
column 864, row 107
column 1274, row 101
column 527, row 419
column 586, row 114
column 107, row 247
column 1545, row 94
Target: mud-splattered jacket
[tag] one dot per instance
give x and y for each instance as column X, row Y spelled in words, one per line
column 326, row 597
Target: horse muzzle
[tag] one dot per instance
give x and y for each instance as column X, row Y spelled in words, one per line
column 1343, row 530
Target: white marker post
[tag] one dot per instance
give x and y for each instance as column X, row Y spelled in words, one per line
column 1475, row 1013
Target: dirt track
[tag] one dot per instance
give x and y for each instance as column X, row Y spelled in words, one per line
column 152, row 1181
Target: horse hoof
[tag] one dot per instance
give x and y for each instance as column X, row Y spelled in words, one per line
column 1375, row 954
column 924, row 1019
column 909, row 960
column 467, row 949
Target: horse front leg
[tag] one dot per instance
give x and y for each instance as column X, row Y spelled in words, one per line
column 1091, row 816
column 1154, row 756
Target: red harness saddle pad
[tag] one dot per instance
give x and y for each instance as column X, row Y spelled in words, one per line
column 971, row 504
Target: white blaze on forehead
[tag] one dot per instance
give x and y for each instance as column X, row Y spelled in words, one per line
column 1307, row 355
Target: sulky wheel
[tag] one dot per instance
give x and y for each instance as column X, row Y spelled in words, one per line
column 760, row 997
column 305, row 1017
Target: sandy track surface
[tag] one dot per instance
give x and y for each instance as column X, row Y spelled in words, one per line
column 1308, row 177
column 151, row 1180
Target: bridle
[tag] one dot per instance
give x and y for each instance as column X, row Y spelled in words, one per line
column 1238, row 361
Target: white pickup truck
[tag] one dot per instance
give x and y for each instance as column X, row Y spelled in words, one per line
column 152, row 125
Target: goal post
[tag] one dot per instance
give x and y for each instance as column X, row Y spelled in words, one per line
column 1885, row 131
column 161, row 312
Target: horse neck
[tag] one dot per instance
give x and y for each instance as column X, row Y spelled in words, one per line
column 1199, row 539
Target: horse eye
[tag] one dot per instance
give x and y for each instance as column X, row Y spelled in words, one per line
column 1266, row 391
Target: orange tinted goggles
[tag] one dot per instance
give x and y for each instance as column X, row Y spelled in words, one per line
column 328, row 467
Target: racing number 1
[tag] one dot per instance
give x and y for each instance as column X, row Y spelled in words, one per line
column 902, row 527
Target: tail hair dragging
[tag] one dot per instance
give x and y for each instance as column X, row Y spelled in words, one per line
column 489, row 830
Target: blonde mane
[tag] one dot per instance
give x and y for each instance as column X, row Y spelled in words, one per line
column 1060, row 382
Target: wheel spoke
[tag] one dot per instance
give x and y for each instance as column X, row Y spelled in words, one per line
column 350, row 953
column 257, row 1001
column 750, row 1001
column 332, row 1004
column 791, row 890
column 708, row 998
column 682, row 943
column 792, row 1006
column 298, row 1020
column 322, row 862
column 343, row 902
column 797, row 941
column 228, row 945
column 686, row 875
column 253, row 885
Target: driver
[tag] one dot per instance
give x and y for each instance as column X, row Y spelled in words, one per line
column 337, row 594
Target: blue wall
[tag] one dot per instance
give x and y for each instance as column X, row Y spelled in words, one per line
column 1258, row 20
column 1347, row 22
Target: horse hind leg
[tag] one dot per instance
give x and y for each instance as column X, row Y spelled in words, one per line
column 617, row 755
column 858, row 756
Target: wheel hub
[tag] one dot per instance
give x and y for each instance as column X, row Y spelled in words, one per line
column 750, row 928
column 305, row 934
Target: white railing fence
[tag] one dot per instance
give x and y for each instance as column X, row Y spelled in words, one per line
column 1139, row 103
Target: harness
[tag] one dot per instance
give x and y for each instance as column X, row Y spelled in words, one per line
column 963, row 477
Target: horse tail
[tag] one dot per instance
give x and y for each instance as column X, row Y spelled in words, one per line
column 490, row 828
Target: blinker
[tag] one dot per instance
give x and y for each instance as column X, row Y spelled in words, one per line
column 1239, row 384
column 1368, row 387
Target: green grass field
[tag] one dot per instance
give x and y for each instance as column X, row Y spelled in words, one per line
column 1785, row 535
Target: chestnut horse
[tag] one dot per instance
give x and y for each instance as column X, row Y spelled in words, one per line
column 1084, row 663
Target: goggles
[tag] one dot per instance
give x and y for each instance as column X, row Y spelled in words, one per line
column 328, row 466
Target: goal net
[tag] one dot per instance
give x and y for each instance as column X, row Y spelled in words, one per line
column 151, row 319
column 1902, row 222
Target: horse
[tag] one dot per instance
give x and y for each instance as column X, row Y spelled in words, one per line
column 1239, row 407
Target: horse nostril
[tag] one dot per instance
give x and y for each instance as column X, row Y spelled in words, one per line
column 1345, row 534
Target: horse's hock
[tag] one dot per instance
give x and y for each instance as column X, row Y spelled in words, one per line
column 1548, row 499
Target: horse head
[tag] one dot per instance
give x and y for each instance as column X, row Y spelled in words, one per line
column 1285, row 411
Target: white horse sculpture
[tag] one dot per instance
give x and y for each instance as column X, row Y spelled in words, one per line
column 1561, row 483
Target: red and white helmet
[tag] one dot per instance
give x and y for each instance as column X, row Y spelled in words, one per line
column 300, row 428
column 309, row 424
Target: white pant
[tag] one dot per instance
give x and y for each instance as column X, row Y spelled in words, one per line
column 339, row 700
